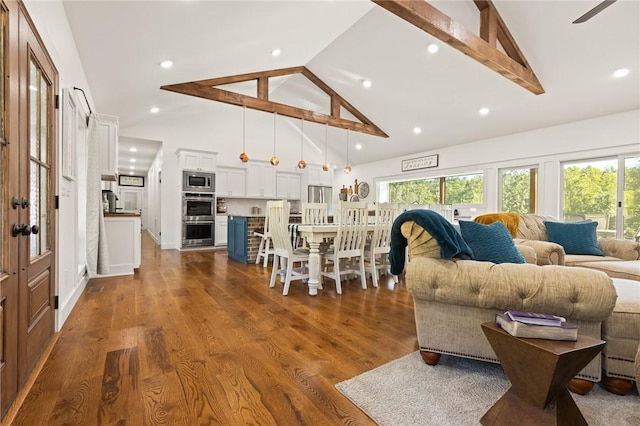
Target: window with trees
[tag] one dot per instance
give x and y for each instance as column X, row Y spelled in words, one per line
column 461, row 189
column 519, row 190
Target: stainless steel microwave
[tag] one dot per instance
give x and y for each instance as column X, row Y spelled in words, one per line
column 198, row 181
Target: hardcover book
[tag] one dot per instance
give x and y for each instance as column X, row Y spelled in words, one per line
column 565, row 331
column 535, row 318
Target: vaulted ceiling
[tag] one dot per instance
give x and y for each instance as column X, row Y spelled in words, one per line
column 346, row 42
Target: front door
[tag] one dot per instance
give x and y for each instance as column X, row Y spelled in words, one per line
column 27, row 259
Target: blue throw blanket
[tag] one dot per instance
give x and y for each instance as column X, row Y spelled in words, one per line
column 450, row 241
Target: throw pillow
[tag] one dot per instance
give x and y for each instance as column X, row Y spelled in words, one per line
column 575, row 237
column 491, row 243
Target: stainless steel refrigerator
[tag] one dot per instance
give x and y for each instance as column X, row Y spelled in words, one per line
column 322, row 194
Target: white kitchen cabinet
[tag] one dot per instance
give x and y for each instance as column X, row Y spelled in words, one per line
column 318, row 177
column 261, row 180
column 123, row 233
column 108, row 140
column 288, row 185
column 231, row 182
column 222, row 226
column 197, row 160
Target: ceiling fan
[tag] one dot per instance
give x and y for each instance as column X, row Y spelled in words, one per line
column 593, row 12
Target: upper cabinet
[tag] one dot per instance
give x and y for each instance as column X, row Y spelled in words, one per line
column 230, row 182
column 288, row 185
column 261, row 180
column 108, row 140
column 191, row 159
column 317, row 176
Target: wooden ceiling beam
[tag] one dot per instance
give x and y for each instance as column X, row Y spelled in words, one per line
column 431, row 20
column 205, row 89
column 225, row 96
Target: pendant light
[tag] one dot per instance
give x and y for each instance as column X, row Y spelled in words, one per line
column 244, row 157
column 347, row 168
column 325, row 166
column 302, row 164
column 274, row 160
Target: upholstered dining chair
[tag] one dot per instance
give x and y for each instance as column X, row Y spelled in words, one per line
column 285, row 255
column 348, row 245
column 377, row 248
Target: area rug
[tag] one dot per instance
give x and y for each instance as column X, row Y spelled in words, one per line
column 459, row 391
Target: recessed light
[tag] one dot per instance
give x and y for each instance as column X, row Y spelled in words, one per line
column 133, row 149
column 366, row 83
column 154, row 110
column 433, row 48
column 417, row 130
column 132, row 168
column 276, row 52
column 131, row 173
column 622, row 72
column 133, row 160
column 483, row 111
column 166, row 64
column 359, row 146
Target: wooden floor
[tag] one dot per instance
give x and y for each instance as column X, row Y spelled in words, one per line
column 196, row 339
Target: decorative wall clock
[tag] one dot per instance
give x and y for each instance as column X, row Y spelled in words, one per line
column 363, row 190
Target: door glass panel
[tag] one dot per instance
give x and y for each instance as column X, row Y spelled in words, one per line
column 631, row 224
column 590, row 194
column 39, row 92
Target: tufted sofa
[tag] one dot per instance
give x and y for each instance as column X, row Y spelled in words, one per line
column 453, row 297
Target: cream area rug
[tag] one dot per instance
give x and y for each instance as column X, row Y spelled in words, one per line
column 459, row 391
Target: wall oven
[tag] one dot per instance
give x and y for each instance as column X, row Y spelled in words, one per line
column 198, row 219
column 198, row 181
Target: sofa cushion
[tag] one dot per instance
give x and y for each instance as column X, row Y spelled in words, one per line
column 575, row 237
column 491, row 243
column 626, row 269
column 510, row 220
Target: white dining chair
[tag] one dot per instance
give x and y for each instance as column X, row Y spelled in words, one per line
column 265, row 248
column 378, row 247
column 348, row 245
column 285, row 255
column 314, row 213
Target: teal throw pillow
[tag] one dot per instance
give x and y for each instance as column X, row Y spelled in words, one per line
column 575, row 237
column 490, row 243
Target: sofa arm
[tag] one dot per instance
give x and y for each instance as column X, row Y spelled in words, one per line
column 576, row 293
column 622, row 249
column 529, row 254
column 548, row 253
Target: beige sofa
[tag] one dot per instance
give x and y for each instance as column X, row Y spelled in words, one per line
column 453, row 297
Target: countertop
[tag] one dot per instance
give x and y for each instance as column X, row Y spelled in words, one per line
column 122, row 215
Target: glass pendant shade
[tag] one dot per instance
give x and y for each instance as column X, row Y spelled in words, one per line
column 244, row 157
column 274, row 160
column 302, row 164
column 325, row 166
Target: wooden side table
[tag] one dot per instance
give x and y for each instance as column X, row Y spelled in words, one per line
column 539, row 371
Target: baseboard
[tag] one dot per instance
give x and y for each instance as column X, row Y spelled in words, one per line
column 65, row 309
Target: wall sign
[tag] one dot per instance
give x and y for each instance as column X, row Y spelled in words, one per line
column 420, row 163
column 125, row 180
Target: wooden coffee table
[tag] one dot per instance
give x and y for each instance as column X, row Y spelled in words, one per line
column 539, row 371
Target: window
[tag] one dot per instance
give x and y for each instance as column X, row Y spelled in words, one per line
column 424, row 191
column 462, row 189
column 631, row 199
column 519, row 189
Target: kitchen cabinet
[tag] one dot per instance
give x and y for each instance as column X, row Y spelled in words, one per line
column 230, row 182
column 123, row 233
column 288, row 185
column 318, row 177
column 190, row 159
column 108, row 143
column 261, row 180
column 237, row 238
column 221, row 235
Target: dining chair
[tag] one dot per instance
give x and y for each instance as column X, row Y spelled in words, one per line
column 265, row 248
column 314, row 213
column 377, row 248
column 348, row 245
column 285, row 256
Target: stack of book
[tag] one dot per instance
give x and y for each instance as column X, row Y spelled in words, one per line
column 537, row 326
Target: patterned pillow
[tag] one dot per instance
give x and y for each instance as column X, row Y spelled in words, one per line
column 575, row 237
column 490, row 243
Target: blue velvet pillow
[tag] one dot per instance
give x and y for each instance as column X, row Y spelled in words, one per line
column 492, row 243
column 575, row 237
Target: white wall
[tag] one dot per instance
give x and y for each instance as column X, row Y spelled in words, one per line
column 545, row 148
column 52, row 25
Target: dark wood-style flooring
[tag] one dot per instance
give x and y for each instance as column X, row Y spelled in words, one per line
column 194, row 338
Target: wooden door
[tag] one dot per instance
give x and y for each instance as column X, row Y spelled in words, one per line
column 36, row 276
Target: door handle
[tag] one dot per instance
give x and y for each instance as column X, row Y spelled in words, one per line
column 25, row 203
column 26, row 229
column 16, row 230
column 15, row 202
column 35, row 229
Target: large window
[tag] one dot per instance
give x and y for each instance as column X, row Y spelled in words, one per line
column 592, row 191
column 462, row 189
column 519, row 189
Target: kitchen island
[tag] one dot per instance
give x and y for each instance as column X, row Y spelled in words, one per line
column 123, row 232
